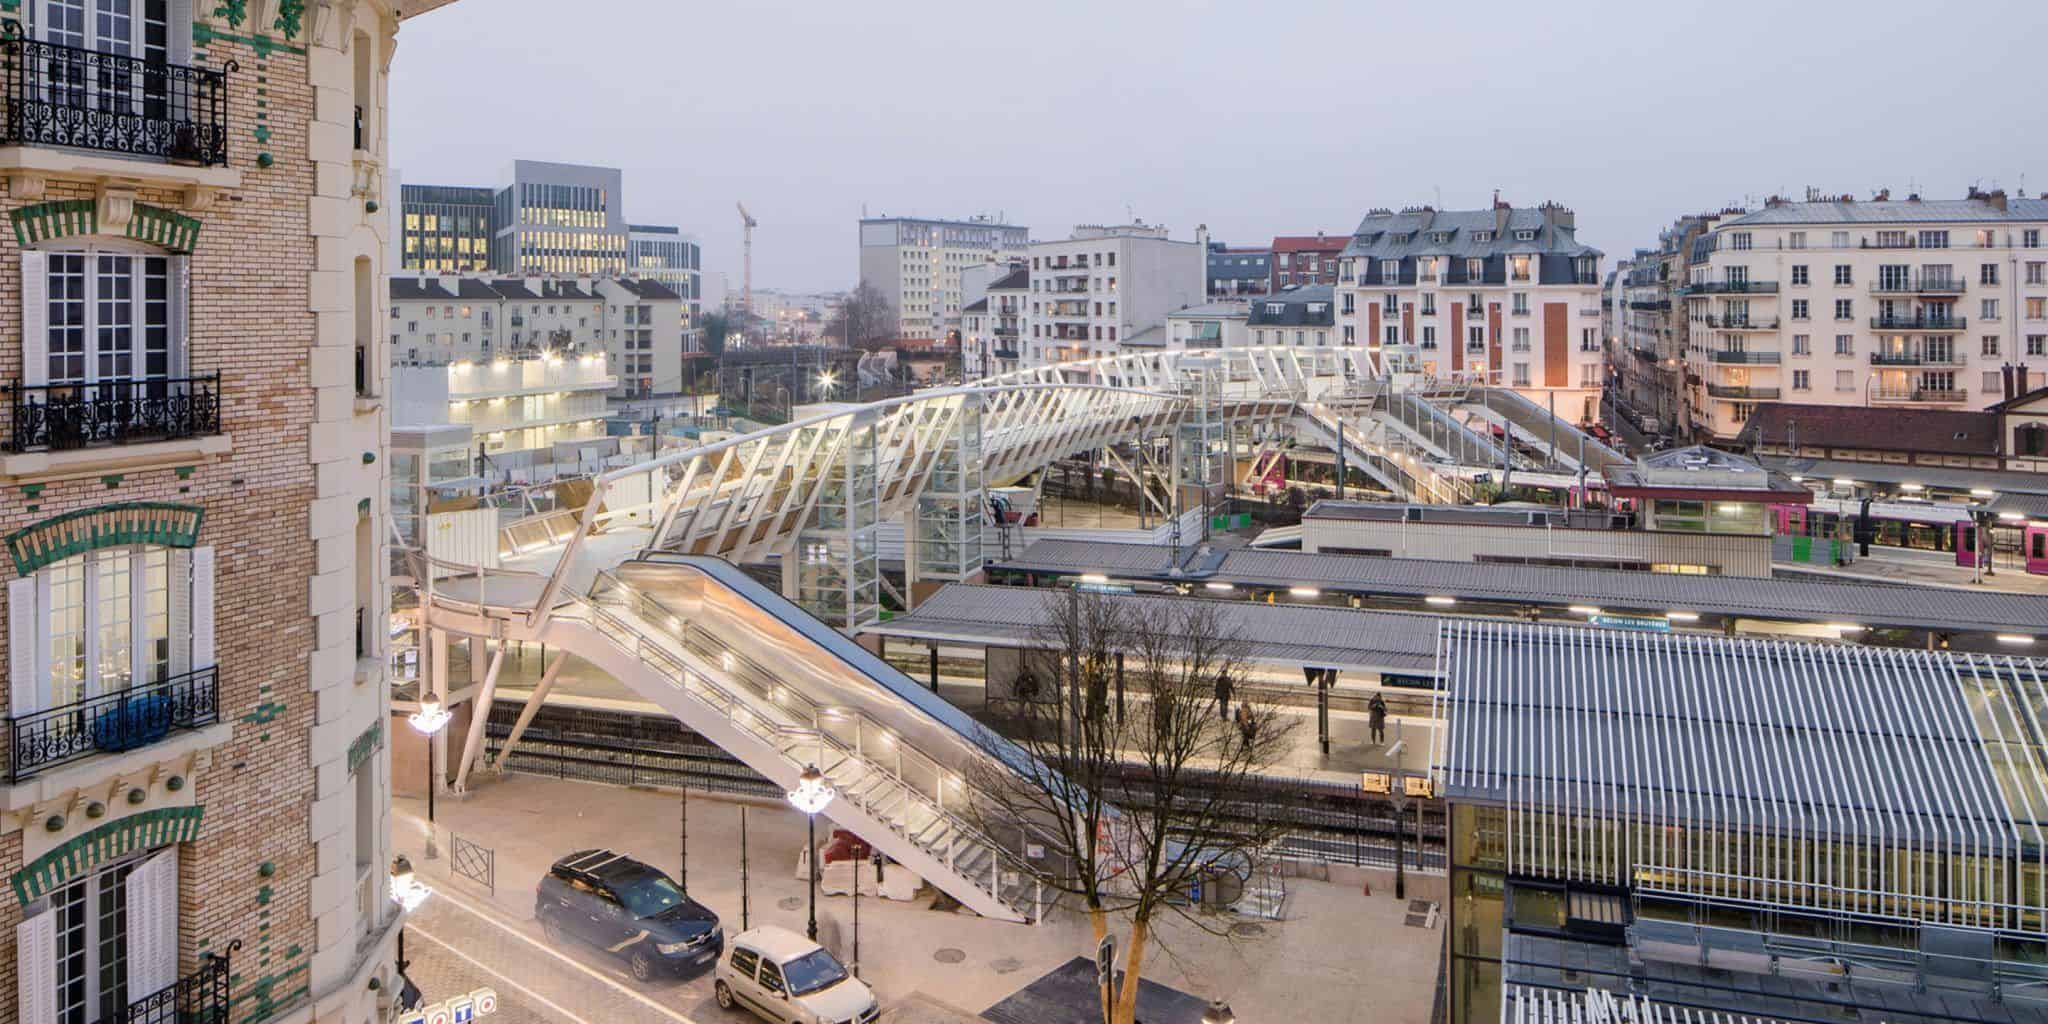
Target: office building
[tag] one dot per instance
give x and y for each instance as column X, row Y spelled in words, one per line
column 197, row 818
column 444, row 228
column 1107, row 284
column 1506, row 296
column 676, row 260
column 916, row 263
column 1913, row 303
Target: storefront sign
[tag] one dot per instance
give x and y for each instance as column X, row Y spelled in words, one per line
column 457, row 1010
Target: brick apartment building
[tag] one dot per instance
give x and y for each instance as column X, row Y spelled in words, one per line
column 196, row 801
column 1304, row 260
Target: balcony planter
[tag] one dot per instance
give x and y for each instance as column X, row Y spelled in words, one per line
column 135, row 722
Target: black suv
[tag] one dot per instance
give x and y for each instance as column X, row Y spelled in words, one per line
column 630, row 909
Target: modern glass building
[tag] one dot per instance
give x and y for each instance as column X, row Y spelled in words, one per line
column 444, row 228
column 1766, row 829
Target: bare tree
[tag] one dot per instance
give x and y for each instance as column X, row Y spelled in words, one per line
column 1146, row 763
column 865, row 319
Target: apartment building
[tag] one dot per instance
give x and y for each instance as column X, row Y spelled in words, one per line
column 1105, row 284
column 1237, row 273
column 1301, row 317
column 1913, row 303
column 1506, row 295
column 1209, row 325
column 916, row 264
column 1648, row 332
column 522, row 419
column 444, row 228
column 1304, row 259
column 991, row 325
column 637, row 323
column 196, row 802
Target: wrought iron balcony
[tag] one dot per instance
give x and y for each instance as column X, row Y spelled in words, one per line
column 114, row 722
column 1917, row 285
column 1919, row 322
column 1922, row 358
column 1937, row 395
column 1737, row 391
column 61, row 416
column 65, row 96
column 1742, row 323
column 202, row 996
column 1731, row 288
column 1725, row 356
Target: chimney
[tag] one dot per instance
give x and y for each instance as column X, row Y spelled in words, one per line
column 1996, row 197
column 1202, row 237
column 1884, row 195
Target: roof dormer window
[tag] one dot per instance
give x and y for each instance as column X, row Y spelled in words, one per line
column 1440, row 237
column 1482, row 236
column 1525, row 235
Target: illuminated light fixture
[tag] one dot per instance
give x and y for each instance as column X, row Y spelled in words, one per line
column 406, row 889
column 1911, row 487
column 812, row 793
column 1797, row 479
column 2013, row 517
column 1304, row 591
column 2015, row 640
column 1982, row 492
column 1682, row 616
column 1219, row 587
column 1845, row 627
column 1094, row 577
column 1584, row 609
column 1440, row 601
column 430, row 717
column 1844, row 482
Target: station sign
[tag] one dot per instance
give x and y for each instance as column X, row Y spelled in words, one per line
column 460, row 1009
column 1642, row 623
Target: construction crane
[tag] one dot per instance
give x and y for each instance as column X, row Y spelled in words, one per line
column 747, row 280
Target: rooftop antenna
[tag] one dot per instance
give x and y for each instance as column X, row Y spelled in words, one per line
column 1130, row 215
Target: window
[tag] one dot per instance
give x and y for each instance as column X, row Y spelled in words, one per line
column 1519, row 304
column 104, row 939
column 1845, row 309
column 1989, row 345
column 1739, row 241
column 1300, row 337
column 107, row 315
column 1525, row 235
column 1991, row 382
column 2037, row 344
column 1839, row 239
column 1428, row 304
column 1799, row 309
column 1801, row 344
column 2037, row 309
column 1589, row 339
column 1521, row 343
column 1845, row 344
column 1349, row 308
column 1428, row 335
column 1845, row 380
column 1987, row 273
column 2030, row 238
column 1475, row 268
column 1795, row 240
column 1801, row 380
column 1521, row 375
column 1518, row 267
column 1988, row 309
column 1390, row 271
column 2037, row 272
column 1799, row 273
column 1842, row 274
column 1393, row 335
column 1475, row 338
column 1933, row 239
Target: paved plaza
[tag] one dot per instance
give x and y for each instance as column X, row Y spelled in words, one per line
column 927, row 966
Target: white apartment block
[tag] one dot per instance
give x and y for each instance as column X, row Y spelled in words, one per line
column 1904, row 303
column 640, row 324
column 916, row 264
column 530, row 417
column 1210, row 325
column 1106, row 285
column 1505, row 296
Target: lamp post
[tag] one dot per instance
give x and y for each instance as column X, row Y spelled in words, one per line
column 406, row 889
column 429, row 719
column 811, row 795
column 1218, row 1013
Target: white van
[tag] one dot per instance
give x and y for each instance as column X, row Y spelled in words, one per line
column 788, row 979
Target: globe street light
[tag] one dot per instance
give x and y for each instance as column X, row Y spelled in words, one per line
column 406, row 889
column 428, row 720
column 1218, row 1013
column 811, row 795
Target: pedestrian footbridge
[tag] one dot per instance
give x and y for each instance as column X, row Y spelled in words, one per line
column 642, row 581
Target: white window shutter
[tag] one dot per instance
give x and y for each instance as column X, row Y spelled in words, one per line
column 202, row 607
column 24, row 640
column 35, row 968
column 181, row 287
column 181, row 31
column 35, row 317
column 181, row 611
column 152, row 938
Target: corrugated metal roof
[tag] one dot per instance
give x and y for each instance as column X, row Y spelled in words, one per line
column 1277, row 633
column 1867, row 604
column 1857, row 742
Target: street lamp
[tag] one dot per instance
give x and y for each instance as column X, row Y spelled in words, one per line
column 825, row 382
column 428, row 720
column 811, row 795
column 1218, row 1013
column 406, row 889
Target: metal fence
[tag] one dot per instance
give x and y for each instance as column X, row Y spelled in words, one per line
column 477, row 863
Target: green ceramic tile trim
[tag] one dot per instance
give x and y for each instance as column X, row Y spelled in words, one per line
column 360, row 749
column 39, row 222
column 144, row 831
column 120, row 523
column 202, row 34
column 264, row 713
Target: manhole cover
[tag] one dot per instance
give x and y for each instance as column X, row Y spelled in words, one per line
column 949, row 955
column 1006, row 965
column 1247, row 928
column 790, row 902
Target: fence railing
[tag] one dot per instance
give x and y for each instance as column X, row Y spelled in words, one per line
column 475, row 862
column 114, row 722
column 62, row 416
column 66, row 96
column 201, row 997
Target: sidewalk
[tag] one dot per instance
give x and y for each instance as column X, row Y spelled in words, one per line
column 926, row 966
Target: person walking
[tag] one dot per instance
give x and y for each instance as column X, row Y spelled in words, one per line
column 1378, row 711
column 1223, row 696
column 1247, row 724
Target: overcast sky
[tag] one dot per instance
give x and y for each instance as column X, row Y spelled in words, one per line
column 1256, row 119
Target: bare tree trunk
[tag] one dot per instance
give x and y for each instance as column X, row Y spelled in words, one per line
column 1134, row 961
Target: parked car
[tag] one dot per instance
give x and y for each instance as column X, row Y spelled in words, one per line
column 629, row 909
column 785, row 978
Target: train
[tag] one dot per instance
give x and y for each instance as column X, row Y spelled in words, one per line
column 2016, row 541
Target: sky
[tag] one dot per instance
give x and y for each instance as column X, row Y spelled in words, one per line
column 1255, row 119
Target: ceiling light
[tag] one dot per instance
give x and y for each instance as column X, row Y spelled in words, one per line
column 1584, row 609
column 1845, row 627
column 2015, row 639
column 1441, row 601
column 1682, row 616
column 1304, row 592
column 1219, row 586
column 1982, row 492
column 1094, row 577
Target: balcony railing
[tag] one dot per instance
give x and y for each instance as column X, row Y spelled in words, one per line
column 1731, row 288
column 1916, row 359
column 1945, row 395
column 1919, row 322
column 65, row 96
column 60, row 416
column 111, row 723
column 1741, row 323
column 1743, row 357
column 1920, row 286
column 202, row 996
column 1737, row 391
